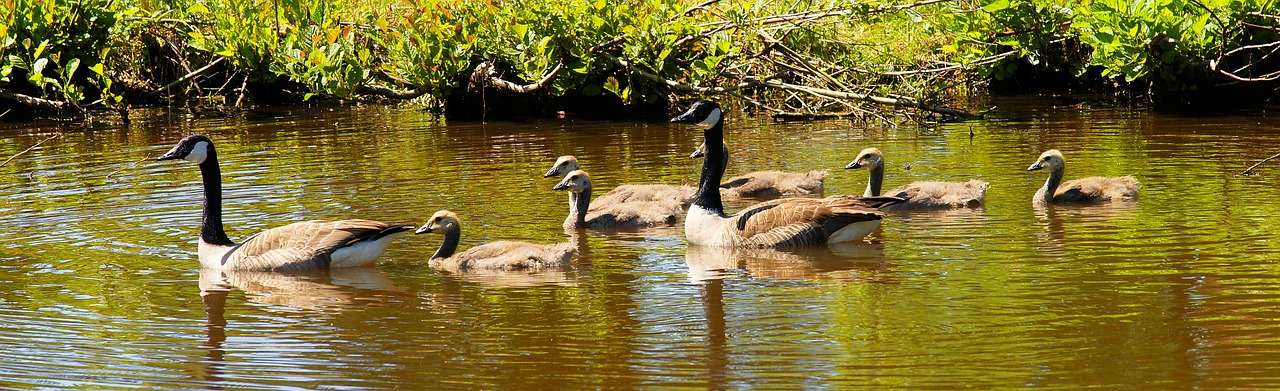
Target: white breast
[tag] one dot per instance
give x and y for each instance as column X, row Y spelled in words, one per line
column 362, row 253
column 706, row 228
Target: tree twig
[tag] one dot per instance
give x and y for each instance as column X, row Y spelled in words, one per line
column 31, row 101
column 128, row 167
column 188, row 76
column 1249, row 171
column 6, row 161
column 496, row 81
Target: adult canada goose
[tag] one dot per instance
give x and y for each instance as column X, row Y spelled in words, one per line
column 583, row 214
column 304, row 245
column 624, row 193
column 760, row 184
column 1094, row 189
column 500, row 255
column 919, row 194
column 781, row 222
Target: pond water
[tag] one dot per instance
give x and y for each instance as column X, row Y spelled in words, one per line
column 100, row 286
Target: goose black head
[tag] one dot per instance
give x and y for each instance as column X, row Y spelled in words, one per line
column 442, row 221
column 564, row 164
column 704, row 112
column 194, row 148
column 1051, row 159
column 575, row 181
column 870, row 158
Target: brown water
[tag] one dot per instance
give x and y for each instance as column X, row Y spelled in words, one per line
column 100, row 286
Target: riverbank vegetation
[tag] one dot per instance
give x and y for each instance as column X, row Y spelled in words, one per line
column 482, row 58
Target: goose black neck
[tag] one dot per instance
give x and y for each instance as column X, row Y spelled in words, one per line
column 875, row 181
column 450, row 244
column 578, row 204
column 1051, row 184
column 211, row 223
column 713, row 166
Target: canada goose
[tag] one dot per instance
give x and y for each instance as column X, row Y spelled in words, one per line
column 761, row 184
column 500, row 255
column 304, row 245
column 624, row 193
column 781, row 222
column 1093, row 189
column 582, row 214
column 919, row 194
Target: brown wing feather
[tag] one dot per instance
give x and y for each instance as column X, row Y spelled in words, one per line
column 508, row 255
column 634, row 214
column 644, row 193
column 775, row 183
column 1097, row 189
column 305, row 245
column 797, row 221
column 934, row 194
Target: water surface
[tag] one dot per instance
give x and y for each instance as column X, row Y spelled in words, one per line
column 101, row 286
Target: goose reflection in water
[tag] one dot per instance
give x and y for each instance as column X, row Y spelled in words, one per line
column 323, row 290
column 809, row 262
column 1052, row 239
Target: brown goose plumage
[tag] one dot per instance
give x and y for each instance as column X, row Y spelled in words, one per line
column 1084, row 190
column 919, row 194
column 306, row 245
column 501, row 255
column 768, row 183
column 624, row 193
column 583, row 213
column 783, row 222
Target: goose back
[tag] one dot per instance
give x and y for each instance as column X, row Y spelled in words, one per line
column 919, row 194
column 770, row 183
column 625, row 193
column 583, row 213
column 940, row 195
column 1094, row 189
column 306, row 245
column 500, row 255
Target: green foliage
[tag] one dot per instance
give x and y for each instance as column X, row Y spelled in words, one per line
column 1161, row 41
column 46, row 46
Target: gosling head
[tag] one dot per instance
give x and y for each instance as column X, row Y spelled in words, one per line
column 869, row 158
column 563, row 164
column 1051, row 159
column 194, row 148
column 443, row 221
column 576, row 181
column 705, row 113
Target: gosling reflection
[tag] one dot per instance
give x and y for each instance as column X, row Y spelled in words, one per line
column 812, row 262
column 1052, row 238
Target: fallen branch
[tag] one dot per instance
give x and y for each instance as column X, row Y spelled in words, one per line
column 31, row 101
column 1248, row 171
column 6, row 161
column 388, row 92
column 486, row 68
column 191, row 75
column 899, row 102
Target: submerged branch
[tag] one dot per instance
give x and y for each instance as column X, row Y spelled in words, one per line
column 1249, row 171
column 6, row 161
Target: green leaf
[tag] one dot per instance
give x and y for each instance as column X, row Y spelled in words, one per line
column 70, row 69
column 996, row 6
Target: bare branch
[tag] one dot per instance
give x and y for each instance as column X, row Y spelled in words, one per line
column 6, row 161
column 388, row 92
column 31, row 101
column 1246, row 172
column 191, row 75
column 487, row 69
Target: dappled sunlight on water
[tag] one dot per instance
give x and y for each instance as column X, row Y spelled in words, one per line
column 1176, row 290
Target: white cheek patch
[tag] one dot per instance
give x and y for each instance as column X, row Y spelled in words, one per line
column 712, row 118
column 198, row 153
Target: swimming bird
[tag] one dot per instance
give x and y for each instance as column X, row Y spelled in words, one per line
column 304, row 245
column 500, row 255
column 769, row 183
column 781, row 222
column 1093, row 189
column 624, row 193
column 584, row 214
column 919, row 194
